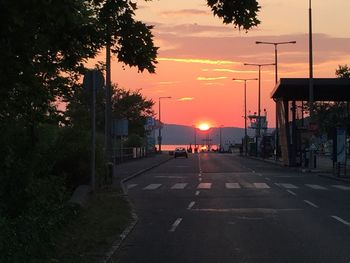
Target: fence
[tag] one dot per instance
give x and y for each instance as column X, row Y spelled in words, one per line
column 125, row 154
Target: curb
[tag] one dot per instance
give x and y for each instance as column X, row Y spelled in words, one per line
column 116, row 244
column 125, row 191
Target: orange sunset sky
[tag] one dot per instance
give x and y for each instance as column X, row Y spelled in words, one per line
column 199, row 56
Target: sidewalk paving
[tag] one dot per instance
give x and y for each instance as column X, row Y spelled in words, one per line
column 324, row 167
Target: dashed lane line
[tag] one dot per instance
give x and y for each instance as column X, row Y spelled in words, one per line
column 191, row 205
column 152, row 186
column 179, row 186
column 316, row 186
column 342, row 187
column 129, row 186
column 287, row 186
column 291, row 192
column 175, row 225
column 311, row 204
column 341, row 220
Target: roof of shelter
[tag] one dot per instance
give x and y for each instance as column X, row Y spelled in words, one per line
column 325, row 89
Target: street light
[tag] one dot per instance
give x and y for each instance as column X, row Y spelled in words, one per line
column 276, row 44
column 259, row 91
column 160, row 124
column 276, row 80
column 245, row 111
column 311, row 84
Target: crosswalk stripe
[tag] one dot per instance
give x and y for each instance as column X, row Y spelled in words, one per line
column 289, row 186
column 342, row 187
column 316, row 186
column 232, row 185
column 129, row 186
column 152, row 186
column 261, row 185
column 204, row 186
column 179, row 186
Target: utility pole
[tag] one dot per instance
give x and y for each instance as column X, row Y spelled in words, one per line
column 160, row 124
column 259, row 91
column 108, row 110
column 245, row 112
column 311, row 86
column 276, row 81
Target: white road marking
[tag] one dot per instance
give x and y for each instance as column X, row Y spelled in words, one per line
column 191, row 205
column 232, row 185
column 245, row 184
column 170, row 177
column 316, row 186
column 311, row 203
column 291, row 192
column 199, row 174
column 197, row 193
column 288, row 186
column 131, row 186
column 204, row 186
column 268, row 179
column 341, row 220
column 200, row 179
column 261, row 185
column 152, row 186
column 179, row 186
column 175, row 225
column 342, row 187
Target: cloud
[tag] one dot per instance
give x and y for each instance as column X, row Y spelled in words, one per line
column 185, row 99
column 214, row 84
column 211, row 78
column 228, row 70
column 193, row 30
column 198, row 61
column 166, row 82
column 185, row 12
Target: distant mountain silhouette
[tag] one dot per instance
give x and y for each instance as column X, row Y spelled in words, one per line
column 181, row 134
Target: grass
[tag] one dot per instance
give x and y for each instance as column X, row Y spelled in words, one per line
column 90, row 235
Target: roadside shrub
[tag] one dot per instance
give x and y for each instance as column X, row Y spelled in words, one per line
column 33, row 202
column 73, row 160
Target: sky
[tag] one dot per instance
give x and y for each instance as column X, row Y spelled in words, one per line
column 199, row 55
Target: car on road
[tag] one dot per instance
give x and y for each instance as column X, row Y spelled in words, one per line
column 180, row 151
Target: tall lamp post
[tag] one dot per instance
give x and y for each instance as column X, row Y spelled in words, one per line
column 276, row 80
column 245, row 111
column 311, row 84
column 259, row 91
column 160, row 124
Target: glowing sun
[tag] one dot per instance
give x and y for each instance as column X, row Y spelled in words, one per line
column 204, row 126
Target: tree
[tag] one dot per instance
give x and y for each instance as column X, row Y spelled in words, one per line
column 133, row 106
column 330, row 114
column 343, row 71
column 242, row 14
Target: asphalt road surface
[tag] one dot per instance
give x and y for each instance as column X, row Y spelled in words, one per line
column 224, row 208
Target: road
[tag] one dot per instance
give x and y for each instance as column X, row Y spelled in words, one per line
column 224, row 208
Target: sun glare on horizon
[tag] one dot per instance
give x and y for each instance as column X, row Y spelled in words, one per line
column 204, row 126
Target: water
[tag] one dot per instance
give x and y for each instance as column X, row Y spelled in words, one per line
column 171, row 147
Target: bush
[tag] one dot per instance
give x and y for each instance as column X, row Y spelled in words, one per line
column 74, row 156
column 33, row 201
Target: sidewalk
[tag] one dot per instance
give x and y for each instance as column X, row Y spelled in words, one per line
column 125, row 171
column 324, row 167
